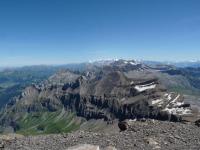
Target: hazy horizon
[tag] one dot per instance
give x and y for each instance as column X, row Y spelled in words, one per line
column 93, row 61
column 38, row 32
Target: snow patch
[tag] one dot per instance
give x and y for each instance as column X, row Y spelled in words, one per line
column 174, row 101
column 176, row 98
column 169, row 97
column 130, row 62
column 158, row 101
column 133, row 63
column 141, row 88
column 132, row 120
column 178, row 111
column 179, row 103
column 174, row 106
column 166, row 94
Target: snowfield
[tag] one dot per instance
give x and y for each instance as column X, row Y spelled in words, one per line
column 178, row 111
column 173, row 106
column 131, row 62
column 141, row 88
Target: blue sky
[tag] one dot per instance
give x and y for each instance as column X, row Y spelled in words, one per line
column 67, row 31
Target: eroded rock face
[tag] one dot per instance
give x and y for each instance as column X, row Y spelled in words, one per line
column 107, row 93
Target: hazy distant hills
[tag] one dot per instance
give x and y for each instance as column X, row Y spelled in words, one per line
column 13, row 81
column 195, row 64
column 182, row 64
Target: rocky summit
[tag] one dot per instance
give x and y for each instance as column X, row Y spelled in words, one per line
column 148, row 135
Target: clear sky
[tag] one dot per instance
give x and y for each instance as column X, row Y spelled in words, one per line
column 67, row 31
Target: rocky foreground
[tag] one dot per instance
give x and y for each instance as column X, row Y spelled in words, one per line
column 146, row 135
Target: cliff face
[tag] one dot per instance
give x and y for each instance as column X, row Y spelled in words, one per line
column 106, row 93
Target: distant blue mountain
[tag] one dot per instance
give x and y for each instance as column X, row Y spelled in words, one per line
column 183, row 64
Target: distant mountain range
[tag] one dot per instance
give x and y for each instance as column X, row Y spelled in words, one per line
column 63, row 98
column 183, row 64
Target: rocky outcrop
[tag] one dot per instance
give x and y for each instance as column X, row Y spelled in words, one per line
column 123, row 125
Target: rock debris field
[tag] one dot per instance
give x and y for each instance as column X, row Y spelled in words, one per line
column 146, row 135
